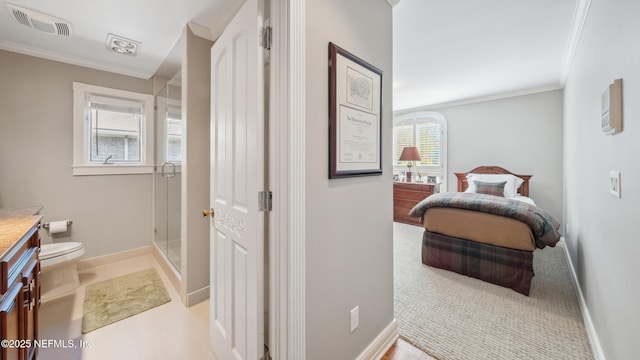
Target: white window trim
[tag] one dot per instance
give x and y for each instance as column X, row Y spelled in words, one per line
column 424, row 169
column 81, row 164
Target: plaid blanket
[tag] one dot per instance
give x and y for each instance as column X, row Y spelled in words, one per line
column 498, row 265
column 543, row 226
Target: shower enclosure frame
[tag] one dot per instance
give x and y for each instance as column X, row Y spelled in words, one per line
column 167, row 175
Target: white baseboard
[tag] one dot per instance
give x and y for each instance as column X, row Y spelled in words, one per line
column 586, row 316
column 198, row 296
column 174, row 277
column 108, row 259
column 381, row 344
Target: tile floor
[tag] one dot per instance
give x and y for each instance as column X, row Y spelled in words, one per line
column 167, row 332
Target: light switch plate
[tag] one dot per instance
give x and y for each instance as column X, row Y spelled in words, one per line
column 354, row 319
column 614, row 183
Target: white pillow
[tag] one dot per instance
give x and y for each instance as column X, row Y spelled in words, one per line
column 510, row 188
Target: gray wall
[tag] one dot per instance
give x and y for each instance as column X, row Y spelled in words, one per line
column 522, row 134
column 110, row 213
column 603, row 238
column 348, row 221
column 196, row 74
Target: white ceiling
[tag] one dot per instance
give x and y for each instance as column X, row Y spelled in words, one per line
column 444, row 51
column 156, row 24
column 449, row 51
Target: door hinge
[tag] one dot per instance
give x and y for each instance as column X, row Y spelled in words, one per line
column 264, row 201
column 266, row 37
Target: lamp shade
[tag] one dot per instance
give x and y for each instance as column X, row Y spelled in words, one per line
column 410, row 153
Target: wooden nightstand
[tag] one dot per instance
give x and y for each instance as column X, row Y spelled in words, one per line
column 407, row 195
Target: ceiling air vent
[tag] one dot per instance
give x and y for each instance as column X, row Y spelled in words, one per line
column 39, row 21
column 122, row 45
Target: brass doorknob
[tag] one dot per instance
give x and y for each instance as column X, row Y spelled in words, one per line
column 209, row 213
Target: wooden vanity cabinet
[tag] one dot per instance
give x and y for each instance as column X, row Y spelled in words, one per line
column 20, row 301
column 10, row 319
column 31, row 301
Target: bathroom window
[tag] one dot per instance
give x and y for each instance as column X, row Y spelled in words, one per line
column 112, row 131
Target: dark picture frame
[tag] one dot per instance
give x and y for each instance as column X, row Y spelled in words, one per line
column 355, row 116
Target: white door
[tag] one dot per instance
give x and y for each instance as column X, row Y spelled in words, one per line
column 237, row 175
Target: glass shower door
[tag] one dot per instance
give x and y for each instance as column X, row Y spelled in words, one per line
column 168, row 175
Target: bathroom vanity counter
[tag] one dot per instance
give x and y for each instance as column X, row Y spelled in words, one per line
column 34, row 210
column 15, row 224
column 19, row 283
column 14, row 228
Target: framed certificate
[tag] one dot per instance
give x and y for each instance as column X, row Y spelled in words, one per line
column 355, row 109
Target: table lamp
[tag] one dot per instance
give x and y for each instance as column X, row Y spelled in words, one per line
column 410, row 154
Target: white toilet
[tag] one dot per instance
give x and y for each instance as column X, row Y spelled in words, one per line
column 59, row 273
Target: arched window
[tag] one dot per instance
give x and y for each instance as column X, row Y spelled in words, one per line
column 426, row 130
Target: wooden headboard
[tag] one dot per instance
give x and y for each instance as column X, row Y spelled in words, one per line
column 462, row 178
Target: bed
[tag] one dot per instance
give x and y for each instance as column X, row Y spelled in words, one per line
column 488, row 230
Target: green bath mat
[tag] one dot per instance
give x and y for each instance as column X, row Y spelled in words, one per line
column 112, row 300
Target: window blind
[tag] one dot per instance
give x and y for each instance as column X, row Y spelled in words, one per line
column 428, row 142
column 422, row 133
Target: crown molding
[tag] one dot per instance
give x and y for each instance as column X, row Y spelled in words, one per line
column 579, row 18
column 51, row 55
column 393, row 2
column 201, row 31
column 479, row 99
column 217, row 28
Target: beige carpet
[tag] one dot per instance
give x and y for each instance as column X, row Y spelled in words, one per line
column 112, row 300
column 451, row 316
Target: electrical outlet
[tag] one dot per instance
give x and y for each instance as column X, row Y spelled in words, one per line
column 354, row 319
column 614, row 183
